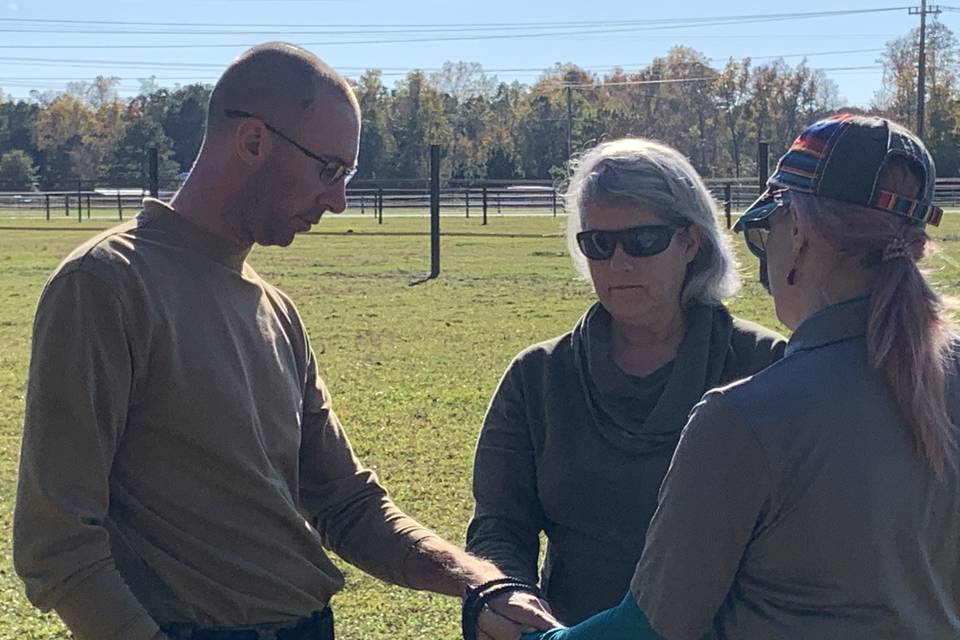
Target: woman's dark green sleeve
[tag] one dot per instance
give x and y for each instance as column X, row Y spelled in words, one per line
column 508, row 519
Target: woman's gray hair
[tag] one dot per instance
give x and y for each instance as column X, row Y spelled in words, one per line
column 656, row 177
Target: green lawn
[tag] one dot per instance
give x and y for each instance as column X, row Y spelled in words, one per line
column 411, row 368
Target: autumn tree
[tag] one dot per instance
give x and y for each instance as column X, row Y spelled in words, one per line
column 735, row 112
column 128, row 160
column 17, row 172
column 377, row 144
column 418, row 121
column 898, row 97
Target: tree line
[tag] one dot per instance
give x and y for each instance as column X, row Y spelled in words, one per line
column 490, row 129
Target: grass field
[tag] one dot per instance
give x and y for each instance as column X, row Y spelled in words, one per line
column 411, row 368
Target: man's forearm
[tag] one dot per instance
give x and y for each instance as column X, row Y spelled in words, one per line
column 436, row 565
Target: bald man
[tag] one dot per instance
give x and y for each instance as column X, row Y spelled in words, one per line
column 182, row 468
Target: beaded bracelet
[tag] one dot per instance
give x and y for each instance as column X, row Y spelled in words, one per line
column 479, row 596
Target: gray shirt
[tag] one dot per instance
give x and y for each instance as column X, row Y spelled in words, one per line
column 797, row 507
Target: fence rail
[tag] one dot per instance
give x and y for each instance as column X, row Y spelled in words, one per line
column 77, row 205
column 744, row 191
column 396, row 198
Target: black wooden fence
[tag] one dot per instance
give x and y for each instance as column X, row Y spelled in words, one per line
column 478, row 200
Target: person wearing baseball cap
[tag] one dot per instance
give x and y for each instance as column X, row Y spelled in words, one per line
column 820, row 498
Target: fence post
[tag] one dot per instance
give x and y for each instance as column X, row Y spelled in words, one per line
column 763, row 164
column 154, row 172
column 727, row 204
column 484, row 204
column 434, row 210
column 88, row 206
column 79, row 202
column 380, row 205
column 363, row 209
column 119, row 205
column 66, row 204
column 554, row 193
column 467, row 201
column 498, row 203
column 47, row 198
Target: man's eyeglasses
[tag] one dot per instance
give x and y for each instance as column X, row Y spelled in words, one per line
column 756, row 232
column 331, row 171
column 642, row 241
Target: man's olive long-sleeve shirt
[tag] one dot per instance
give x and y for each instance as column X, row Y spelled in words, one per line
column 181, row 460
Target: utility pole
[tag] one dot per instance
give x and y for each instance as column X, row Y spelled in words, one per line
column 922, row 11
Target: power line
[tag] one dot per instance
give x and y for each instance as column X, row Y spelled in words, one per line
column 144, row 64
column 872, row 67
column 341, row 32
column 243, row 45
column 51, row 82
column 48, row 83
column 153, row 64
column 627, row 83
column 329, row 43
column 246, row 45
column 328, row 26
column 618, row 84
column 565, row 29
column 812, row 54
column 600, row 85
column 392, row 71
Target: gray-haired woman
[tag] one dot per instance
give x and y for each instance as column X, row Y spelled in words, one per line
column 582, row 428
column 821, row 497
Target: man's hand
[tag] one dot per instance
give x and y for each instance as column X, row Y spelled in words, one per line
column 511, row 614
column 440, row 567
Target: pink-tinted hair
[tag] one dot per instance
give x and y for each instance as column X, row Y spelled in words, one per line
column 909, row 336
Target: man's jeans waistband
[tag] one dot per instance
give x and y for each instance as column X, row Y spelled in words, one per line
column 318, row 626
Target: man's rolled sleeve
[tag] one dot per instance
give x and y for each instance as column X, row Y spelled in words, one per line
column 711, row 500
column 76, row 409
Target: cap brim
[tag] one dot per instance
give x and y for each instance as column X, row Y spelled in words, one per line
column 760, row 209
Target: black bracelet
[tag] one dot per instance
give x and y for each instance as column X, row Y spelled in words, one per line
column 470, row 600
column 479, row 596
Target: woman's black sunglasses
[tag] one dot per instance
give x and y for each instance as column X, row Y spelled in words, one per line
column 645, row 240
column 756, row 232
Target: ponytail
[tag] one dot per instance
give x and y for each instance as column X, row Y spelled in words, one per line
column 909, row 337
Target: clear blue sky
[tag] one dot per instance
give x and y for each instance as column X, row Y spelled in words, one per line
column 349, row 34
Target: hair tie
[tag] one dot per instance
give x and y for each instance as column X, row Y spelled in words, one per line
column 896, row 248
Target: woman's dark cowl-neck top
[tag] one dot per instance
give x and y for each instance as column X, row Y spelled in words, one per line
column 574, row 447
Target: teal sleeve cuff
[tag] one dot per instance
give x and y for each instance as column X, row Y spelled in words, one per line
column 624, row 622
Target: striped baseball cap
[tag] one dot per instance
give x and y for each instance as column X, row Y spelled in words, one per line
column 841, row 157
